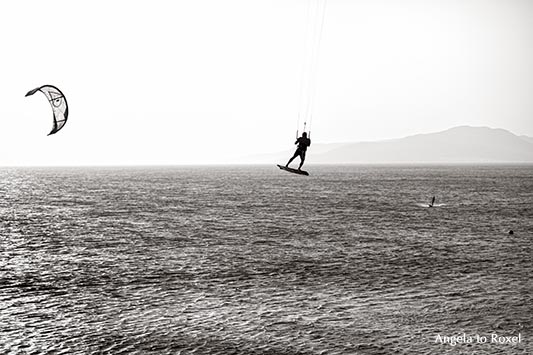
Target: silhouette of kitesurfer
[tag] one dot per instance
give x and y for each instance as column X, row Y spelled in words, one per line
column 432, row 202
column 303, row 142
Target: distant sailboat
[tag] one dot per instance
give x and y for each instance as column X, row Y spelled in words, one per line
column 432, row 202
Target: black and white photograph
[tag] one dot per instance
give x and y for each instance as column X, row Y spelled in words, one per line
column 266, row 177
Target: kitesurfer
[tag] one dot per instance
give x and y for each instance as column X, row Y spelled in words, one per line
column 432, row 202
column 303, row 142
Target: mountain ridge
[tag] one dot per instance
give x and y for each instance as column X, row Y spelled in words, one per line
column 461, row 144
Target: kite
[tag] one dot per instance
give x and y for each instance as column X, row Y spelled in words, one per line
column 58, row 102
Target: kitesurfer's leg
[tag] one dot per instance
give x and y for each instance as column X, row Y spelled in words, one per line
column 291, row 159
column 302, row 159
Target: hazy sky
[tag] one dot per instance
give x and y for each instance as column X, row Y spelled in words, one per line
column 152, row 82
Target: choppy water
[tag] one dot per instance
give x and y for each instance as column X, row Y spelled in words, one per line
column 252, row 260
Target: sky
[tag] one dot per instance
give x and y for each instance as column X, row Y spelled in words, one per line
column 207, row 81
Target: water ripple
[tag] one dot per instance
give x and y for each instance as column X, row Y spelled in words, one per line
column 237, row 260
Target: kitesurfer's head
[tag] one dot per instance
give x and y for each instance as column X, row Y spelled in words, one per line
column 304, row 134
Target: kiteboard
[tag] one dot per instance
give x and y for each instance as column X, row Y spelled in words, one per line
column 294, row 171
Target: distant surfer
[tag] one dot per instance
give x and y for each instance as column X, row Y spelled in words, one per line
column 303, row 142
column 432, row 202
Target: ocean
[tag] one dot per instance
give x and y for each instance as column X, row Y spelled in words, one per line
column 254, row 260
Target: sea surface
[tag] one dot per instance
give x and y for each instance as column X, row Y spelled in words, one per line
column 255, row 260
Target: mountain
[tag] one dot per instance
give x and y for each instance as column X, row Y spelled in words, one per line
column 527, row 139
column 462, row 144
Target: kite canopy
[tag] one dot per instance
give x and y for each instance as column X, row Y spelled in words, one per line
column 58, row 102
